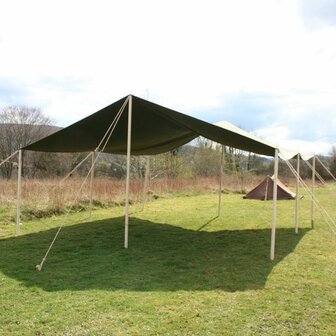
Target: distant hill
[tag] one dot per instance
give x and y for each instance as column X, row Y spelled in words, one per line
column 40, row 131
column 49, row 129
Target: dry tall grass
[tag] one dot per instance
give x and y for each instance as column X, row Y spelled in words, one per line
column 45, row 197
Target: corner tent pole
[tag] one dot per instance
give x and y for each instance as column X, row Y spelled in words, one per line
column 220, row 182
column 312, row 194
column 91, row 181
column 19, row 188
column 297, row 193
column 275, row 194
column 129, row 130
column 144, row 195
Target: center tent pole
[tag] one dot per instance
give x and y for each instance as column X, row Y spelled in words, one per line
column 144, row 195
column 297, row 194
column 129, row 133
column 220, row 181
column 266, row 190
column 19, row 188
column 275, row 194
column 312, row 194
column 91, row 181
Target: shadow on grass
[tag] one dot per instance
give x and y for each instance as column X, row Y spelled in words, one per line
column 160, row 257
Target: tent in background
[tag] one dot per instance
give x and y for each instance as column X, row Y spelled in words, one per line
column 264, row 191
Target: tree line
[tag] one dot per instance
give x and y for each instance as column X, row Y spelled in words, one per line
column 22, row 125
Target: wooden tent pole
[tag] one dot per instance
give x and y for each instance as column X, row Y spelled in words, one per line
column 297, row 198
column 129, row 132
column 145, row 189
column 220, row 181
column 91, row 181
column 313, row 194
column 266, row 192
column 275, row 194
column 19, row 188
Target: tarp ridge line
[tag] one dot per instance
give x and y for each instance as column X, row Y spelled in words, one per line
column 199, row 133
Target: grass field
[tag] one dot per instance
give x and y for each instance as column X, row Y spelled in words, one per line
column 47, row 197
column 186, row 272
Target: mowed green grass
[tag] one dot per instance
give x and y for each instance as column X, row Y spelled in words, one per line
column 186, row 272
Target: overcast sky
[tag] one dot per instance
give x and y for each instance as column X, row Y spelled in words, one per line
column 268, row 66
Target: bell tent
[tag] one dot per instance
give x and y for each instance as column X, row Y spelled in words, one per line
column 264, row 191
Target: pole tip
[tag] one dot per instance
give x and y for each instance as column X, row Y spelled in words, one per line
column 38, row 268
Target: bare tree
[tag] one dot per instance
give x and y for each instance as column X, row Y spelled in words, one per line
column 332, row 160
column 19, row 126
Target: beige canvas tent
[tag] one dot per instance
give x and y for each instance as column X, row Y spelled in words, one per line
column 264, row 191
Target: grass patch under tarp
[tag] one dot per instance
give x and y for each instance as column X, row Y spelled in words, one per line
column 186, row 272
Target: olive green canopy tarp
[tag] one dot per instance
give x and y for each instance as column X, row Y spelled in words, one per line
column 155, row 129
column 146, row 129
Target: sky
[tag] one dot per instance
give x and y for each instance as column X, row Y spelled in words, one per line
column 268, row 66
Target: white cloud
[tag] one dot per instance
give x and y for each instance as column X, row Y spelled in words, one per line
column 280, row 136
column 74, row 57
